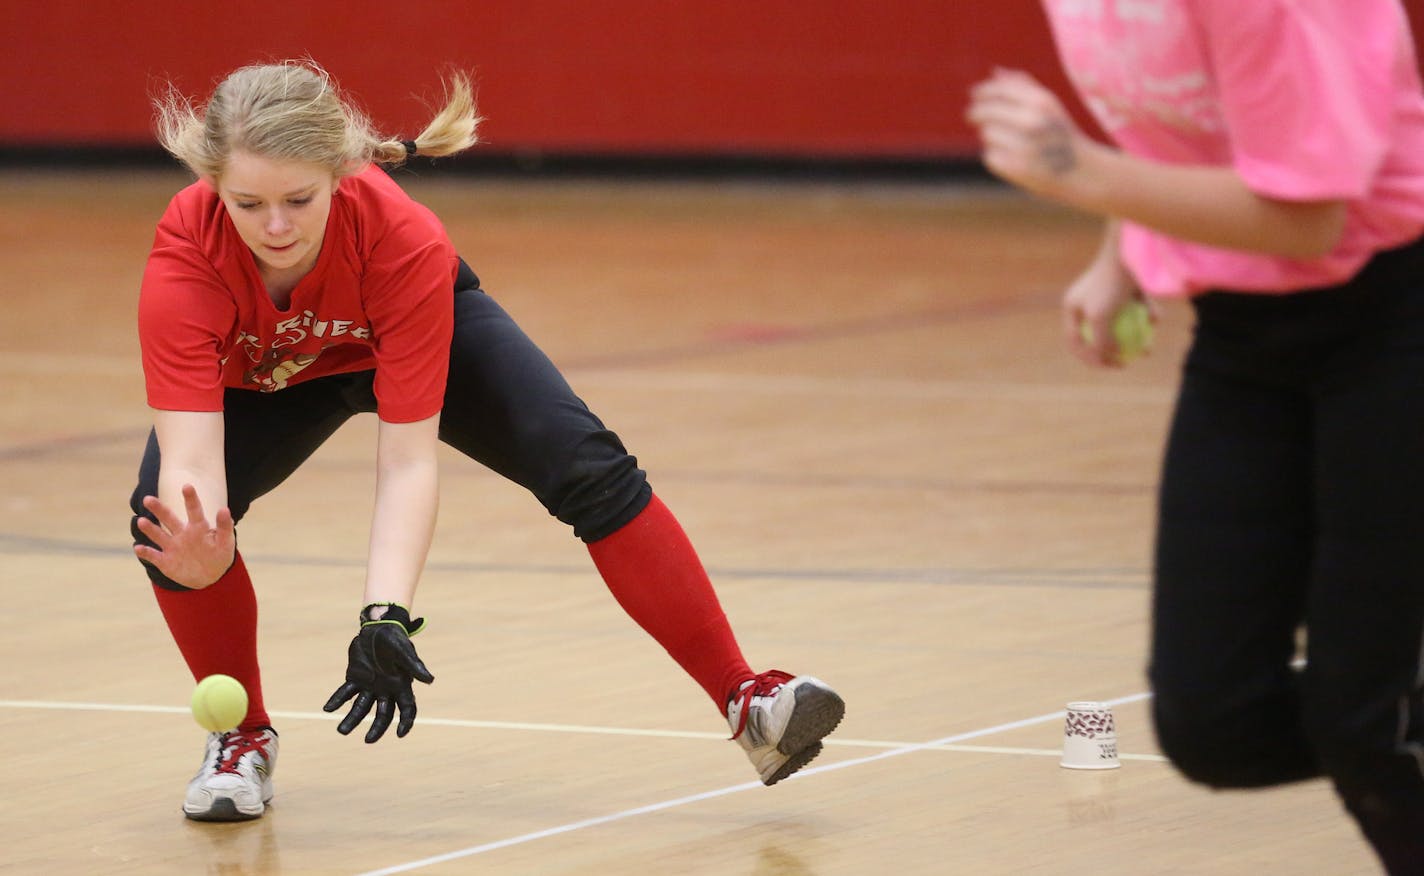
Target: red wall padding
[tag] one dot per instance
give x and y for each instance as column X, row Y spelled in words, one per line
column 835, row 78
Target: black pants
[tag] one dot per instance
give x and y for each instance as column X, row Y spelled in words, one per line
column 1293, row 497
column 506, row 406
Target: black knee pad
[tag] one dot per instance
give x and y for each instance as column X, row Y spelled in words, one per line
column 1251, row 746
column 1188, row 741
column 597, row 496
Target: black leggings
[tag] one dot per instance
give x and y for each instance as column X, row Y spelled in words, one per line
column 506, row 406
column 1293, row 496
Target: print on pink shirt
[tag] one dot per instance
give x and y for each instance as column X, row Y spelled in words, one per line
column 1137, row 64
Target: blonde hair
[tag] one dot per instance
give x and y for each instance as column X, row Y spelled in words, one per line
column 293, row 110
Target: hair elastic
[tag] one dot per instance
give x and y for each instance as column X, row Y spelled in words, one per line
column 410, row 148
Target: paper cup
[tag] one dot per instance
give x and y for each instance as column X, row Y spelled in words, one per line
column 1089, row 737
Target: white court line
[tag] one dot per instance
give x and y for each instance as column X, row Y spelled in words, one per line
column 892, row 749
column 722, row 792
column 582, row 729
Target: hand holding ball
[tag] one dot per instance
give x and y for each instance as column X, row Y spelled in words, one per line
column 1132, row 330
column 219, row 703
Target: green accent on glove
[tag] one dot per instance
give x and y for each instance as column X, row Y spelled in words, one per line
column 395, row 614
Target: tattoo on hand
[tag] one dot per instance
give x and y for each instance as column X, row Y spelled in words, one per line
column 1057, row 149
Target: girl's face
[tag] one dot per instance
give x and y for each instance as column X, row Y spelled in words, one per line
column 280, row 209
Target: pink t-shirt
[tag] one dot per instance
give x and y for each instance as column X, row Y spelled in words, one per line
column 1306, row 99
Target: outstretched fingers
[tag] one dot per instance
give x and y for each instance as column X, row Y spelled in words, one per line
column 359, row 709
column 171, row 524
column 398, row 654
column 340, row 696
column 167, row 520
column 406, row 702
column 155, row 533
column 385, row 710
column 225, row 522
column 194, row 506
column 416, row 667
column 193, row 552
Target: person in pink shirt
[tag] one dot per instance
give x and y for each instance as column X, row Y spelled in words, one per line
column 1267, row 162
column 294, row 285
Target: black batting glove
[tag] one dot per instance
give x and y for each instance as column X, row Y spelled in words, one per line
column 380, row 665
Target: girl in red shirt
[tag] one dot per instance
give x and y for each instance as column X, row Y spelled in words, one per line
column 294, row 285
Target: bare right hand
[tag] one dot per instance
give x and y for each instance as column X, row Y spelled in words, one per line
column 1094, row 299
column 194, row 553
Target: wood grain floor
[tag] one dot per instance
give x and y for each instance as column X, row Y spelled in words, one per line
column 854, row 398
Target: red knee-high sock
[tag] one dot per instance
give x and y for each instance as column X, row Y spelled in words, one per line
column 656, row 576
column 216, row 631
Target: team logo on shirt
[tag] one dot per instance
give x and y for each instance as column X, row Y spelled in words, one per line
column 274, row 363
column 276, row 369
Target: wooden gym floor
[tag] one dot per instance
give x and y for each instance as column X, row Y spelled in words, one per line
column 855, row 399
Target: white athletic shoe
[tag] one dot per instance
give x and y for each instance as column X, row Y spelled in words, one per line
column 780, row 721
column 235, row 781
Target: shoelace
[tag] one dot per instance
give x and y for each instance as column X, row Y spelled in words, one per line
column 236, row 744
column 764, row 685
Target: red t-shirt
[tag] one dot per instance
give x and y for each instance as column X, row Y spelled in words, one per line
column 380, row 297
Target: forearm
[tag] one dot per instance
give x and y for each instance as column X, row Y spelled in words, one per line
column 401, row 528
column 1203, row 204
column 403, row 521
column 192, row 451
column 1107, row 256
column 1030, row 140
column 1105, row 285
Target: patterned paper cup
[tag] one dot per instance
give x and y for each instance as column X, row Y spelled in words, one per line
column 1089, row 737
